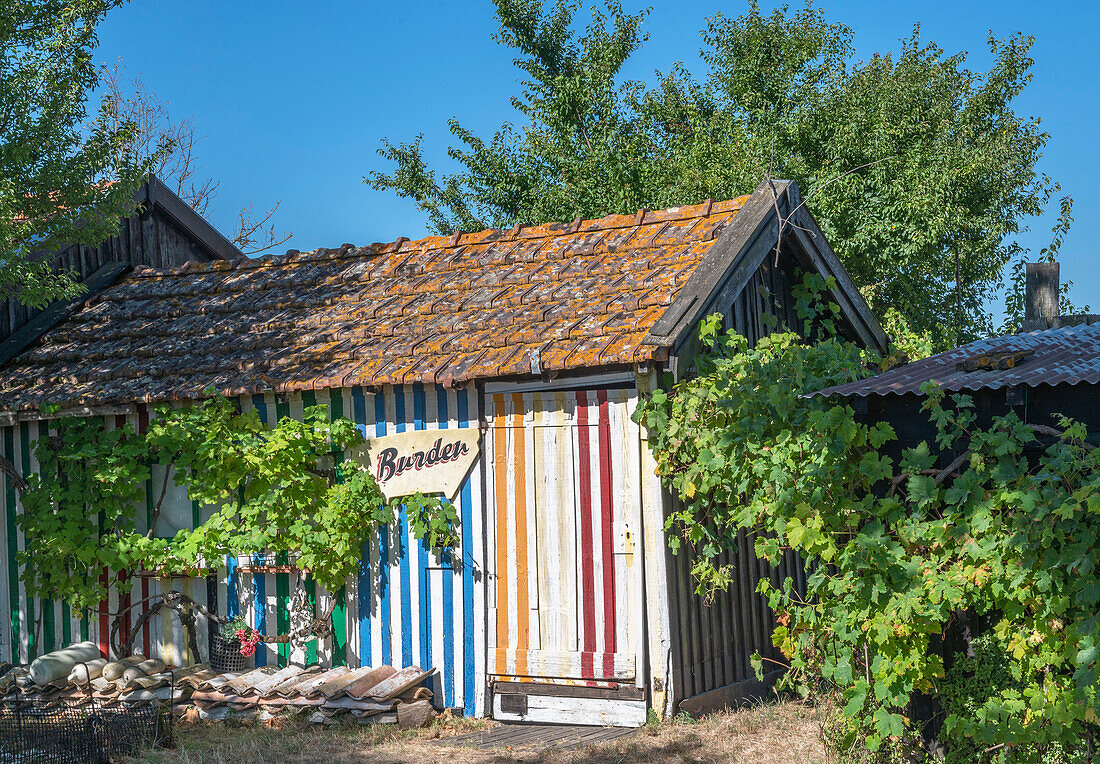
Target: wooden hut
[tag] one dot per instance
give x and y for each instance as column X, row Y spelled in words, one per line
column 533, row 345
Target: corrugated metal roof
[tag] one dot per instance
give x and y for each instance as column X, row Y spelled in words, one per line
column 1063, row 356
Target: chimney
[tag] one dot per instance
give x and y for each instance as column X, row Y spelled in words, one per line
column 1041, row 286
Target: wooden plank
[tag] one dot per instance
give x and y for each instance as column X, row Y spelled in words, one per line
column 573, row 690
column 580, row 711
column 574, row 665
column 1041, row 291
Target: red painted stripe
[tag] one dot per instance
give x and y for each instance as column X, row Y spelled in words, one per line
column 607, row 521
column 588, row 580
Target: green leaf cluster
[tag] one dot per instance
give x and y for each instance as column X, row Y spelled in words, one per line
column 1001, row 522
column 285, row 488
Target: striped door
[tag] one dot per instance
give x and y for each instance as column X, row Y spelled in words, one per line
column 565, row 491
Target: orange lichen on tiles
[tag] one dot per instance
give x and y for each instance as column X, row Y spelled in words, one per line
column 566, row 296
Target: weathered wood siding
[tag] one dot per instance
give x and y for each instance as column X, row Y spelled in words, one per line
column 153, row 240
column 713, row 641
column 566, row 568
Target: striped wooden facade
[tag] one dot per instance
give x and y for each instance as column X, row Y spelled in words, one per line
column 406, row 606
column 567, row 587
column 562, row 538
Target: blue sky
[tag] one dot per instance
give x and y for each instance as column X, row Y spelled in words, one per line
column 291, row 98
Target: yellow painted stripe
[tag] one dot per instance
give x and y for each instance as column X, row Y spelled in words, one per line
column 500, row 473
column 523, row 613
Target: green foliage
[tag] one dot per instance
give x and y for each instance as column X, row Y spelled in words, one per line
column 67, row 174
column 232, row 626
column 282, row 489
column 916, row 167
column 990, row 521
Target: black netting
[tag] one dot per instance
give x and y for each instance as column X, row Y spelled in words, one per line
column 38, row 733
column 225, row 656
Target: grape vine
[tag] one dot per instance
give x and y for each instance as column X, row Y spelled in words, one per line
column 94, row 503
column 1000, row 523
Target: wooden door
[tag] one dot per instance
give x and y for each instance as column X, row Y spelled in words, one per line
column 566, row 581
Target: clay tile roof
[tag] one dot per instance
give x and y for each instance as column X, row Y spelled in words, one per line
column 447, row 309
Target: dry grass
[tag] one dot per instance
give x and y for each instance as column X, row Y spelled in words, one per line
column 772, row 733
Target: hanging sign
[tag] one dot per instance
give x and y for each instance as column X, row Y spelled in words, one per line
column 425, row 461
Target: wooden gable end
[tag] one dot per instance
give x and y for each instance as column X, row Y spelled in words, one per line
column 163, row 231
column 751, row 271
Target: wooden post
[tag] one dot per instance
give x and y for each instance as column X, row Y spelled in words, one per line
column 1041, row 286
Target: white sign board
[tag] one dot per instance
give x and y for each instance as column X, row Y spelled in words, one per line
column 428, row 461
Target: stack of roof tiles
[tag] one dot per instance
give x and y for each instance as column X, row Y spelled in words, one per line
column 444, row 309
column 371, row 694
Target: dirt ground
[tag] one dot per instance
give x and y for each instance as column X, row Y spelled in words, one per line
column 770, row 733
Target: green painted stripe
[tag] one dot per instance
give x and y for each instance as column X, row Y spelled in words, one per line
column 340, row 629
column 309, row 399
column 13, row 568
column 311, row 645
column 282, row 580
column 25, row 460
column 340, row 612
column 66, row 625
column 282, row 608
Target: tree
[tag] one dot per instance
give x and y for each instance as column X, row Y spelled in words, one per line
column 917, row 168
column 65, row 176
column 170, row 146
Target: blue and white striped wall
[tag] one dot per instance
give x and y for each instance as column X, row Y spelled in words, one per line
column 407, row 605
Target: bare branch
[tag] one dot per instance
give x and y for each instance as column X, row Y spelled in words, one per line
column 251, row 238
column 171, row 146
column 16, row 479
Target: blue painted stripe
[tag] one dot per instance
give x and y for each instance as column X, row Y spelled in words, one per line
column 259, row 582
column 465, row 499
column 448, row 586
column 231, row 601
column 359, row 414
column 403, row 549
column 423, row 555
column 383, row 547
